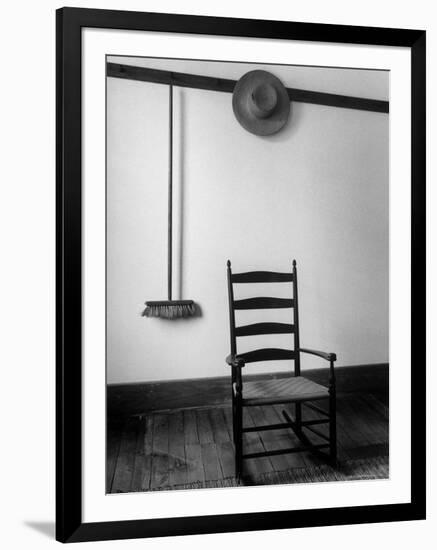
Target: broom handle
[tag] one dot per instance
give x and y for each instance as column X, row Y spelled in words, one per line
column 170, row 190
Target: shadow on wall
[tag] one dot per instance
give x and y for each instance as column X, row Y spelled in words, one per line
column 46, row 528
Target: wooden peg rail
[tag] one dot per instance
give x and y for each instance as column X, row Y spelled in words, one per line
column 186, row 80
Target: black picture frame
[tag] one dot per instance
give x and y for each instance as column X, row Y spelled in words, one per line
column 69, row 524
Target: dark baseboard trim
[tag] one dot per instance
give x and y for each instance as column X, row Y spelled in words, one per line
column 125, row 400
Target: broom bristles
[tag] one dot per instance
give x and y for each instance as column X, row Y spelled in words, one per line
column 175, row 309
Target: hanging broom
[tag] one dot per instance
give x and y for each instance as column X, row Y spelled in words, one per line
column 170, row 309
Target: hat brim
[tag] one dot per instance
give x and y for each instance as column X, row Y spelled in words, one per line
column 240, row 104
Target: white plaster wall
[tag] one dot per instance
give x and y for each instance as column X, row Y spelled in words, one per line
column 317, row 191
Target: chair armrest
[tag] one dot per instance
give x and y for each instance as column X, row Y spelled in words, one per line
column 322, row 354
column 235, row 361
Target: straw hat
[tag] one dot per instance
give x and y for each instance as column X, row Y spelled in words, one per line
column 261, row 103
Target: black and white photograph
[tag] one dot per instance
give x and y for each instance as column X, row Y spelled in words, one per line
column 247, row 274
column 241, row 271
column 217, row 271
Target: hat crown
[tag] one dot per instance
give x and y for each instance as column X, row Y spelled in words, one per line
column 263, row 100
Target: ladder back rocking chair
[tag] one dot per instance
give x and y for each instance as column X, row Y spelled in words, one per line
column 296, row 389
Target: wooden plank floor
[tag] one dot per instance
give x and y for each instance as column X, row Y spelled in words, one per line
column 177, row 447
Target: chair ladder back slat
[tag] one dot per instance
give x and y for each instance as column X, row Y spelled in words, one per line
column 262, row 277
column 263, row 303
column 267, row 354
column 264, row 328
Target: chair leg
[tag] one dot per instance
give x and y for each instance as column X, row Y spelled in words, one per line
column 296, row 426
column 233, row 404
column 238, row 440
column 233, row 420
column 298, row 417
column 333, row 429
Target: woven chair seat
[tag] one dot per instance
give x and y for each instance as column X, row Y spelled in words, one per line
column 281, row 390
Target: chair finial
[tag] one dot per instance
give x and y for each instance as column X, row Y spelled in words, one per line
column 294, row 263
column 228, row 263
